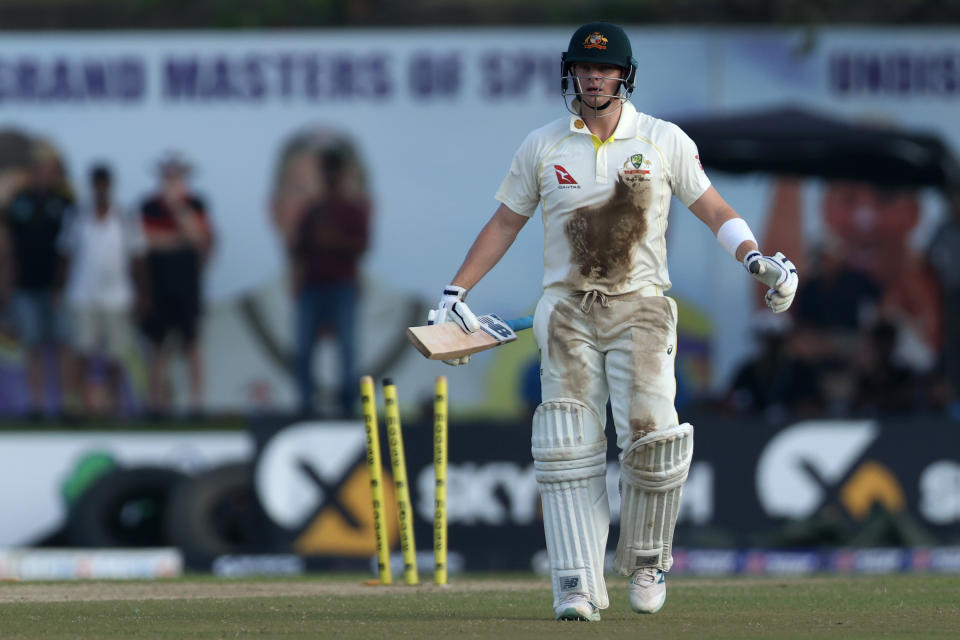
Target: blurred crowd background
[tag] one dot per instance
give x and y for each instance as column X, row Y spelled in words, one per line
column 104, row 297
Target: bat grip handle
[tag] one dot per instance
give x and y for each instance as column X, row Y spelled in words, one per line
column 519, row 324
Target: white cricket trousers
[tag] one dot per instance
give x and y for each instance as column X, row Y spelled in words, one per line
column 594, row 347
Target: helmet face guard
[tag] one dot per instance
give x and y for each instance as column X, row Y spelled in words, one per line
column 599, row 43
column 573, row 96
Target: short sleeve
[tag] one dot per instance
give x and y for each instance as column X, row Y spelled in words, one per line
column 520, row 190
column 688, row 180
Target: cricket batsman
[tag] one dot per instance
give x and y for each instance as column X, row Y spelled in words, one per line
column 603, row 177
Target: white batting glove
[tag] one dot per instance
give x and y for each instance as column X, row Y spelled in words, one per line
column 776, row 272
column 452, row 308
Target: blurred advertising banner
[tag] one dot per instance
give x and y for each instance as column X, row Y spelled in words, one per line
column 303, row 489
column 808, row 484
column 433, row 118
column 82, row 564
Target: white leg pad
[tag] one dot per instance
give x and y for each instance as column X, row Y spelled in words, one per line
column 652, row 472
column 569, row 453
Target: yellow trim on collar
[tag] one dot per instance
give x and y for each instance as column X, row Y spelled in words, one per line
column 597, row 143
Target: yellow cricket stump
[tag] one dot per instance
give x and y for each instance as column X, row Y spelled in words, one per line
column 440, row 481
column 369, row 401
column 404, row 509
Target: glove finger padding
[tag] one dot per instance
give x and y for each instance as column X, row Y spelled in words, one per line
column 778, row 273
column 461, row 314
column 453, row 308
column 776, row 302
column 780, row 297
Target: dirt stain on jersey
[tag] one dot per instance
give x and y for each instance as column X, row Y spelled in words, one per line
column 602, row 237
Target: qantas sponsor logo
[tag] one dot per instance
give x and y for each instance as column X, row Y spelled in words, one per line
column 564, row 179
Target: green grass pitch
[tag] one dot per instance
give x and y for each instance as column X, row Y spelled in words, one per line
column 502, row 607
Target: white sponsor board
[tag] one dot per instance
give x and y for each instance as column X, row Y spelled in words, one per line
column 87, row 564
column 36, row 467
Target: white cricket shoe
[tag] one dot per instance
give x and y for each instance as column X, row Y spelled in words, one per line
column 577, row 607
column 648, row 590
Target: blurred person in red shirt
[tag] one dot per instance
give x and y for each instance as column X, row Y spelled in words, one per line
column 179, row 241
column 325, row 251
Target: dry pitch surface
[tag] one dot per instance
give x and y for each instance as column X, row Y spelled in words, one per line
column 488, row 607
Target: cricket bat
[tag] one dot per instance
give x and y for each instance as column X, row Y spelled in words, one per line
column 447, row 340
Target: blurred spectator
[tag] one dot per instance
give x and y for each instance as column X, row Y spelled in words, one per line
column 179, row 241
column 884, row 386
column 874, row 225
column 779, row 381
column 16, row 152
column 105, row 251
column 325, row 251
column 944, row 256
column 34, row 277
column 297, row 183
column 7, row 269
column 833, row 304
column 15, row 160
column 837, row 297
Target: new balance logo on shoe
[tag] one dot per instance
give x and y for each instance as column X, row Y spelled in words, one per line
column 569, row 583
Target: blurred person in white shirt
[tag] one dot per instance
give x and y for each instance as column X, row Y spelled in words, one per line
column 104, row 247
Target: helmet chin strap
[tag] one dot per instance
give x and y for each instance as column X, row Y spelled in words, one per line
column 598, row 109
column 585, row 110
column 577, row 106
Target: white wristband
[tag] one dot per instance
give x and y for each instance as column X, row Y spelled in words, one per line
column 733, row 233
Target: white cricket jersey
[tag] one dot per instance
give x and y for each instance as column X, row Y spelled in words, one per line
column 605, row 204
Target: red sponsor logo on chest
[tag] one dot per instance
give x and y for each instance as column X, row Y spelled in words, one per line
column 563, row 176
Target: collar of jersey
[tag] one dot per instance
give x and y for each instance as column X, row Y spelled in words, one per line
column 626, row 127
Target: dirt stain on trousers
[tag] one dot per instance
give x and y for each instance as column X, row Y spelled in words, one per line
column 624, row 350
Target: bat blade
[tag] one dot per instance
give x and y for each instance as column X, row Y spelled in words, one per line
column 447, row 341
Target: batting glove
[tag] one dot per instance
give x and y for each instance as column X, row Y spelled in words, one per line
column 776, row 272
column 453, row 308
